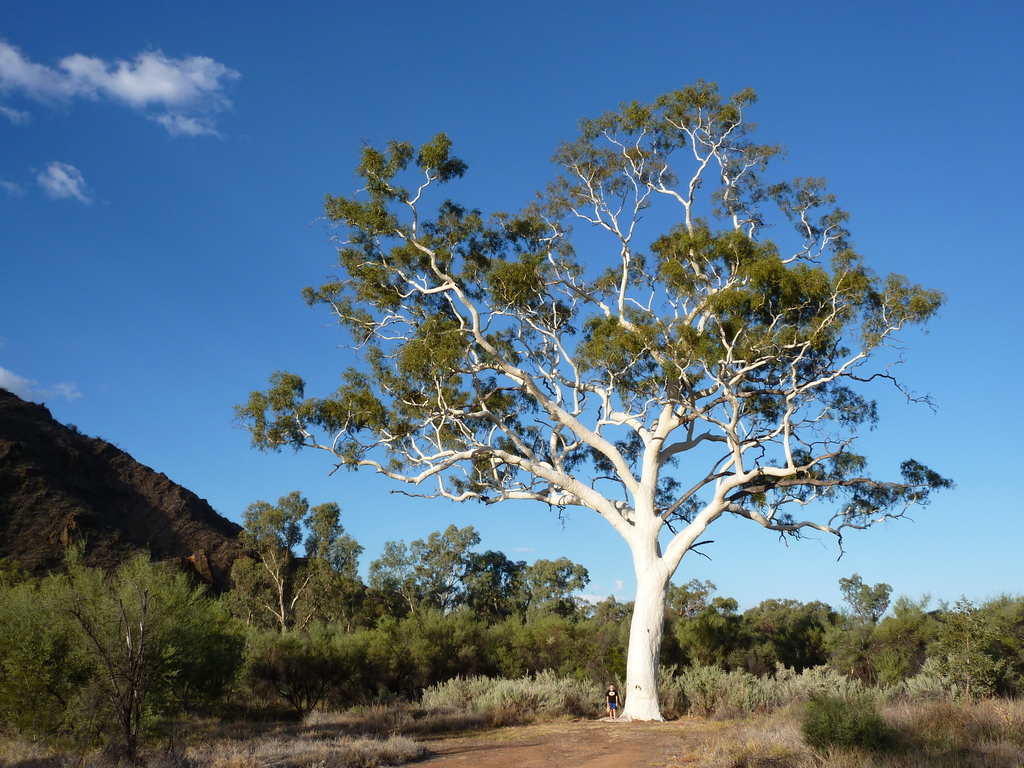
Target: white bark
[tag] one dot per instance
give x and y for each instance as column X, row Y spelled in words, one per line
column 641, row 690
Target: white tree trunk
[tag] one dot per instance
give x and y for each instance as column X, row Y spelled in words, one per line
column 641, row 691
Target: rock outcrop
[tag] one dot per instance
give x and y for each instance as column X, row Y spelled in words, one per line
column 58, row 486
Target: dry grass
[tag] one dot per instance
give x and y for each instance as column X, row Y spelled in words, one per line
column 764, row 741
column 304, row 752
column 344, row 742
column 26, row 754
column 937, row 734
column 989, row 734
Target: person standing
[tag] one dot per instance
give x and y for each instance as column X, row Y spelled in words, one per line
column 611, row 701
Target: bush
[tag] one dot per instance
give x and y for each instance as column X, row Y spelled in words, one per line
column 849, row 723
column 300, row 668
column 546, row 693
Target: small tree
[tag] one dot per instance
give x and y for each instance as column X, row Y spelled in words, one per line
column 334, row 591
column 277, row 582
column 499, row 365
column 151, row 642
column 965, row 653
column 868, row 604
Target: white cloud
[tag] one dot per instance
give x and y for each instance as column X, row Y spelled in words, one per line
column 12, row 382
column 186, row 91
column 12, row 189
column 38, row 81
column 61, row 180
column 26, row 389
column 67, row 390
column 180, row 125
column 16, row 116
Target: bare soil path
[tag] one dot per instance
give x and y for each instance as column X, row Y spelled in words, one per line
column 578, row 744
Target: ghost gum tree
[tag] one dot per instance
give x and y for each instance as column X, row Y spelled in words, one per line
column 706, row 370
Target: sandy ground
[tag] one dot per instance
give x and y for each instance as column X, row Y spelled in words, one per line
column 580, row 744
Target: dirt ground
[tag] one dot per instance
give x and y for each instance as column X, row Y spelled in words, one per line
column 579, row 744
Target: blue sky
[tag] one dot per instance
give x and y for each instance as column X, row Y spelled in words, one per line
column 162, row 173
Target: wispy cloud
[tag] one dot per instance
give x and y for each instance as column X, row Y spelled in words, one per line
column 12, row 189
column 180, row 94
column 597, row 595
column 16, row 116
column 29, row 390
column 61, row 181
column 179, row 125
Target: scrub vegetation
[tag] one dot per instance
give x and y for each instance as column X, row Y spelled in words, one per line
column 142, row 667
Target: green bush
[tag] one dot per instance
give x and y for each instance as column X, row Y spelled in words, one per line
column 849, row 723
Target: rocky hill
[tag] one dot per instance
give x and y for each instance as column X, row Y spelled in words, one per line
column 58, row 486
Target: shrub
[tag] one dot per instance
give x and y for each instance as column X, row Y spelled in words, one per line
column 300, row 668
column 846, row 723
column 545, row 693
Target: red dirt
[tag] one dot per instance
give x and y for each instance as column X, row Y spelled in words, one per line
column 580, row 744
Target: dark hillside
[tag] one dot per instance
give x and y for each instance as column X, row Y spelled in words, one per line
column 58, row 486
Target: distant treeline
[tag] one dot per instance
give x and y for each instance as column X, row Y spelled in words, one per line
column 95, row 657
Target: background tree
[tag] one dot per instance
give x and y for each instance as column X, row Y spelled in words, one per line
column 787, row 632
column 714, row 636
column 868, row 604
column 494, row 585
column 324, row 585
column 498, row 365
column 851, row 645
column 689, row 599
column 334, row 592
column 154, row 644
column 1004, row 617
column 965, row 651
column 272, row 532
column 899, row 644
column 549, row 586
column 443, row 572
column 42, row 665
column 429, row 573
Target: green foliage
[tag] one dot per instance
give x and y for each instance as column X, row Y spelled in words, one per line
column 549, row 585
column 444, row 573
column 301, row 668
column 712, row 637
column 965, row 651
column 688, row 600
column 899, row 644
column 94, row 657
column 42, row 667
column 11, row 573
column 276, row 587
column 848, row 723
column 867, row 603
column 431, row 573
column 787, row 633
column 467, row 323
column 139, row 633
column 1004, row 616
